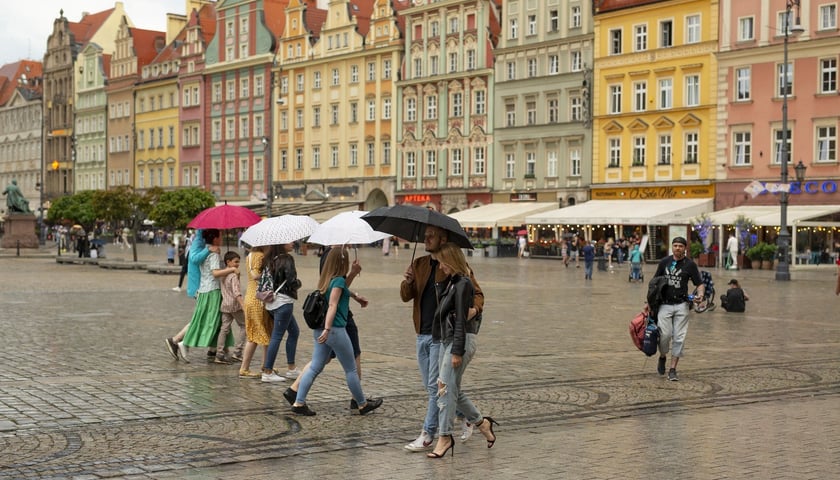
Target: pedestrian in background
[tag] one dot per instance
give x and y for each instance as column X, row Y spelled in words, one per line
column 636, row 263
column 588, row 260
column 735, row 298
column 258, row 323
column 232, row 309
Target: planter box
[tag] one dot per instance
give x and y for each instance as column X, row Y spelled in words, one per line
column 767, row 264
column 706, row 260
column 756, row 264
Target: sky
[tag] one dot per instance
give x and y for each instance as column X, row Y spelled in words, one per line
column 26, row 24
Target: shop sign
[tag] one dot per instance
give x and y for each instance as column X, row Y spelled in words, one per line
column 417, row 198
column 665, row 192
column 523, row 197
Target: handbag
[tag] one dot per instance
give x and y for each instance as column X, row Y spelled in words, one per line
column 265, row 287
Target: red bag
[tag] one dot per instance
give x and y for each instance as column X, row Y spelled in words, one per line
column 637, row 329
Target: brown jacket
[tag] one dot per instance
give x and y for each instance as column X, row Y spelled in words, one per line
column 414, row 290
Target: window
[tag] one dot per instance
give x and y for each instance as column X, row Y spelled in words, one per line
column 333, row 156
column 434, row 28
column 828, row 75
column 371, row 110
column 471, row 59
column 828, row 16
column 532, row 67
column 615, row 98
column 784, row 22
column 692, row 148
column 284, row 159
column 410, row 165
column 640, row 38
column 171, row 136
column 258, row 169
column 531, row 112
column 574, row 160
column 457, row 164
column 386, row 108
column 666, row 93
column 371, row 71
column 316, row 80
column 453, row 25
column 666, row 33
column 243, row 50
column 434, row 60
column 386, row 153
column 530, row 164
column 551, row 164
column 431, row 107
column 785, row 79
column 418, row 67
column 554, row 21
column 334, row 114
column 370, row 153
column 335, row 77
column 614, row 152
column 244, row 174
column 457, row 104
column 742, row 83
column 354, row 74
column 431, row 163
column 511, row 70
column 778, row 139
column 411, row 109
column 284, row 120
column 230, row 94
column 299, row 82
column 230, row 129
column 692, row 90
column 244, row 88
column 453, row 62
column 299, row 118
column 553, row 64
column 217, row 132
column 639, row 151
column 298, row 159
column 479, row 161
column 639, row 96
column 692, row 29
column 532, row 24
column 513, row 28
column 141, row 140
column 664, row 152
column 354, row 154
column 746, row 29
column 480, row 101
column 576, row 60
column 258, row 126
column 386, row 69
column 229, row 170
column 354, row 112
column 553, row 110
column 316, row 116
column 615, row 42
column 510, row 115
column 575, row 107
column 284, row 85
column 741, row 145
column 827, row 143
column 510, row 165
column 574, row 17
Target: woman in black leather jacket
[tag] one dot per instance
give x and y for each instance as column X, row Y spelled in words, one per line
column 282, row 266
column 457, row 334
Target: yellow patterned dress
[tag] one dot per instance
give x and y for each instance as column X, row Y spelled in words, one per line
column 258, row 323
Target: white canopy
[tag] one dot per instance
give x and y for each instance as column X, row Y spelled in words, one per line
column 770, row 215
column 625, row 212
column 500, row 214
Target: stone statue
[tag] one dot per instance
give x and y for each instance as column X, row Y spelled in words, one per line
column 14, row 199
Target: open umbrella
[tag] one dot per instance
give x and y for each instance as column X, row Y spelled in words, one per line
column 522, row 232
column 409, row 222
column 224, row 217
column 279, row 230
column 346, row 228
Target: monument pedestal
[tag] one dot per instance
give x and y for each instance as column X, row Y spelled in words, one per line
column 19, row 227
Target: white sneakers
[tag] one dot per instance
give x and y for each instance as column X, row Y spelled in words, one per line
column 421, row 443
column 272, row 377
column 176, row 289
column 466, row 430
column 292, row 373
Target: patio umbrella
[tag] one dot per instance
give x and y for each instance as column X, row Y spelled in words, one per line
column 346, row 228
column 224, row 217
column 279, row 230
column 409, row 222
column 522, row 232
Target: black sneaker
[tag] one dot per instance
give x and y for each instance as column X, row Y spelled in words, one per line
column 303, row 410
column 173, row 348
column 353, row 404
column 660, row 367
column 371, row 405
column 672, row 375
column 290, row 395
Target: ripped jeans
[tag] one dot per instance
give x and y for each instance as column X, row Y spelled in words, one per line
column 451, row 398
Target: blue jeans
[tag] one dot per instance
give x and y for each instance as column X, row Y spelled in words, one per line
column 283, row 321
column 339, row 342
column 587, row 269
column 451, row 398
column 428, row 360
column 636, row 270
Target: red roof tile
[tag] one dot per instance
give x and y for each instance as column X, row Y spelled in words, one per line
column 603, row 6
column 12, row 72
column 86, row 28
column 362, row 10
column 147, row 45
column 314, row 18
column 275, row 16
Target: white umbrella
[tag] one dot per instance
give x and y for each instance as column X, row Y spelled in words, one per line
column 279, row 230
column 346, row 228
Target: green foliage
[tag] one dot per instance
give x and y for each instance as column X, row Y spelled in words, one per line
column 176, row 208
column 696, row 249
column 70, row 209
column 756, row 251
column 121, row 204
column 768, row 252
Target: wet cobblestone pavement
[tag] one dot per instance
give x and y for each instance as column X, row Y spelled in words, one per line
column 88, row 390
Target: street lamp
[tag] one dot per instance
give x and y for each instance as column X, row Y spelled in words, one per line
column 783, row 242
column 269, row 197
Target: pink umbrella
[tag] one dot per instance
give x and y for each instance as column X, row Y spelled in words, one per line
column 225, row 217
column 522, row 232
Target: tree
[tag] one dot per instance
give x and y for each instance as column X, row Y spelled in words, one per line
column 122, row 204
column 78, row 208
column 176, row 208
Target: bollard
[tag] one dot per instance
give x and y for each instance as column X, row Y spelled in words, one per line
column 18, row 248
column 59, row 247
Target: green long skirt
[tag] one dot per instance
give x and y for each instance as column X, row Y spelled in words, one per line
column 206, row 320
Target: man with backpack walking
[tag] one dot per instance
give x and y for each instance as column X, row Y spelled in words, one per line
column 672, row 315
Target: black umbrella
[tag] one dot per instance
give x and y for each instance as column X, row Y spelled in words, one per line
column 409, row 222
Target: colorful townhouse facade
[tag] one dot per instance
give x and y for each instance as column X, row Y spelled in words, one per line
column 91, row 111
column 543, row 78
column 751, row 90
column 20, row 127
column 446, row 106
column 335, row 125
column 61, row 77
column 655, row 99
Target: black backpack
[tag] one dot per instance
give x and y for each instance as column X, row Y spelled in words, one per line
column 315, row 309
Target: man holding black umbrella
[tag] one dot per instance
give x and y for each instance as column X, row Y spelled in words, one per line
column 420, row 286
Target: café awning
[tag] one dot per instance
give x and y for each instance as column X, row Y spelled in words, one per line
column 625, row 212
column 770, row 215
column 500, row 214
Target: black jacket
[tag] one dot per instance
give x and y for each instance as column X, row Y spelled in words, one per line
column 283, row 269
column 451, row 322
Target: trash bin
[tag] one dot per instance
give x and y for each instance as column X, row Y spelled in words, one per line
column 492, row 251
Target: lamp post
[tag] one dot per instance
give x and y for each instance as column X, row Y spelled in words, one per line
column 269, row 196
column 783, row 242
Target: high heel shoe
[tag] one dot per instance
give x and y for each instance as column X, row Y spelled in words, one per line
column 441, row 455
column 492, row 422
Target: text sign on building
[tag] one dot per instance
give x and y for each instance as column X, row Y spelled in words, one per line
column 523, row 197
column 665, row 192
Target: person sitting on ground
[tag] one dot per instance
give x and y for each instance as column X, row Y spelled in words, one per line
column 735, row 298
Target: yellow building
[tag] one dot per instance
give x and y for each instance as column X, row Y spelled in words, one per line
column 654, row 98
column 156, row 122
column 335, row 136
